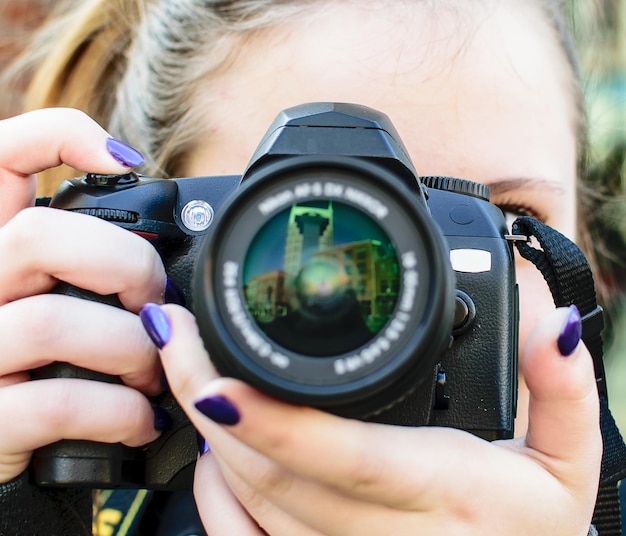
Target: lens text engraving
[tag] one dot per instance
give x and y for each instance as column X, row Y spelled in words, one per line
column 396, row 327
column 240, row 319
column 327, row 189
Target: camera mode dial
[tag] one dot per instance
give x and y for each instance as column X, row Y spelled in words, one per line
column 96, row 179
column 459, row 186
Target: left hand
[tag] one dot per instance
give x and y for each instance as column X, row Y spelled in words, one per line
column 290, row 470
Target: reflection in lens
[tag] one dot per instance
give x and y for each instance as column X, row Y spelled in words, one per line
column 322, row 288
column 321, row 278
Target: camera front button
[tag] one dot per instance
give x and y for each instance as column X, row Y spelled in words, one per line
column 464, row 313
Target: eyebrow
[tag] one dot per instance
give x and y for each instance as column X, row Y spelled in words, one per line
column 502, row 186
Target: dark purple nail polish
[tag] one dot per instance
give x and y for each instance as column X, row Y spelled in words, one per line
column 124, row 153
column 203, row 446
column 571, row 331
column 173, row 294
column 219, row 409
column 162, row 419
column 156, row 324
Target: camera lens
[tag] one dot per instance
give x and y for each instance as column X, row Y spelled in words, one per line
column 326, row 284
column 321, row 278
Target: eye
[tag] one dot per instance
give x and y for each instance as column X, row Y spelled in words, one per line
column 514, row 211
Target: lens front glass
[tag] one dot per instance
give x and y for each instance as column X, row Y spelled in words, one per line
column 321, row 278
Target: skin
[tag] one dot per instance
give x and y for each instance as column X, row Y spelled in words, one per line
column 473, row 98
column 461, row 98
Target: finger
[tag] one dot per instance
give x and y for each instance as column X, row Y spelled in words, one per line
column 501, row 478
column 185, row 361
column 42, row 329
column 350, row 456
column 12, row 379
column 81, row 250
column 271, row 516
column 75, row 409
column 563, row 406
column 34, row 141
column 187, row 377
column 365, row 461
column 220, row 511
column 284, row 503
column 45, row 411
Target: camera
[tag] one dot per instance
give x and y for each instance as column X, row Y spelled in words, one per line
column 327, row 275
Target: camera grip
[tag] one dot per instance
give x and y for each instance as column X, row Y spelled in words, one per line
column 77, row 463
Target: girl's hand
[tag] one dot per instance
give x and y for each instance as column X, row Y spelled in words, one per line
column 40, row 247
column 292, row 470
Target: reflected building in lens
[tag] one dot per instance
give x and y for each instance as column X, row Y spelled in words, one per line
column 369, row 267
column 373, row 275
column 265, row 296
column 310, row 229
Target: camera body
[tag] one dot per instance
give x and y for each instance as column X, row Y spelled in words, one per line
column 327, row 275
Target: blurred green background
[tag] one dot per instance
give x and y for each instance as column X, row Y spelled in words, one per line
column 600, row 32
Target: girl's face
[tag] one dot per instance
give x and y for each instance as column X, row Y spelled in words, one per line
column 483, row 95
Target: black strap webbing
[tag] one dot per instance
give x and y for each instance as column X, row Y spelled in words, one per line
column 569, row 277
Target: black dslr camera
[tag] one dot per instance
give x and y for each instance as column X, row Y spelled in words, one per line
column 331, row 276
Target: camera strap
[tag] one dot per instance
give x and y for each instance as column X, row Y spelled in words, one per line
column 569, row 277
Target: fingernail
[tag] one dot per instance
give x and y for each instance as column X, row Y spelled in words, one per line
column 156, row 324
column 173, row 294
column 203, row 446
column 162, row 419
column 219, row 409
column 124, row 153
column 571, row 331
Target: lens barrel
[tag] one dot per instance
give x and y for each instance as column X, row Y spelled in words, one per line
column 326, row 282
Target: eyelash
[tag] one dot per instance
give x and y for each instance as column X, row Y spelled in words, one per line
column 513, row 211
column 519, row 210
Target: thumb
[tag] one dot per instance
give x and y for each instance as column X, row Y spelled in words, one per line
column 563, row 412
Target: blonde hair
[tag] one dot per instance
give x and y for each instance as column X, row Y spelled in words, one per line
column 77, row 60
column 139, row 67
column 136, row 66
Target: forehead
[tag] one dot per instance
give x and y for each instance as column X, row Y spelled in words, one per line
column 478, row 92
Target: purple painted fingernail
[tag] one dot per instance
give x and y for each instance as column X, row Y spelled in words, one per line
column 571, row 331
column 156, row 324
column 162, row 419
column 124, row 153
column 173, row 294
column 203, row 446
column 219, row 409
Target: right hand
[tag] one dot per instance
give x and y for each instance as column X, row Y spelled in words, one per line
column 280, row 469
column 40, row 247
